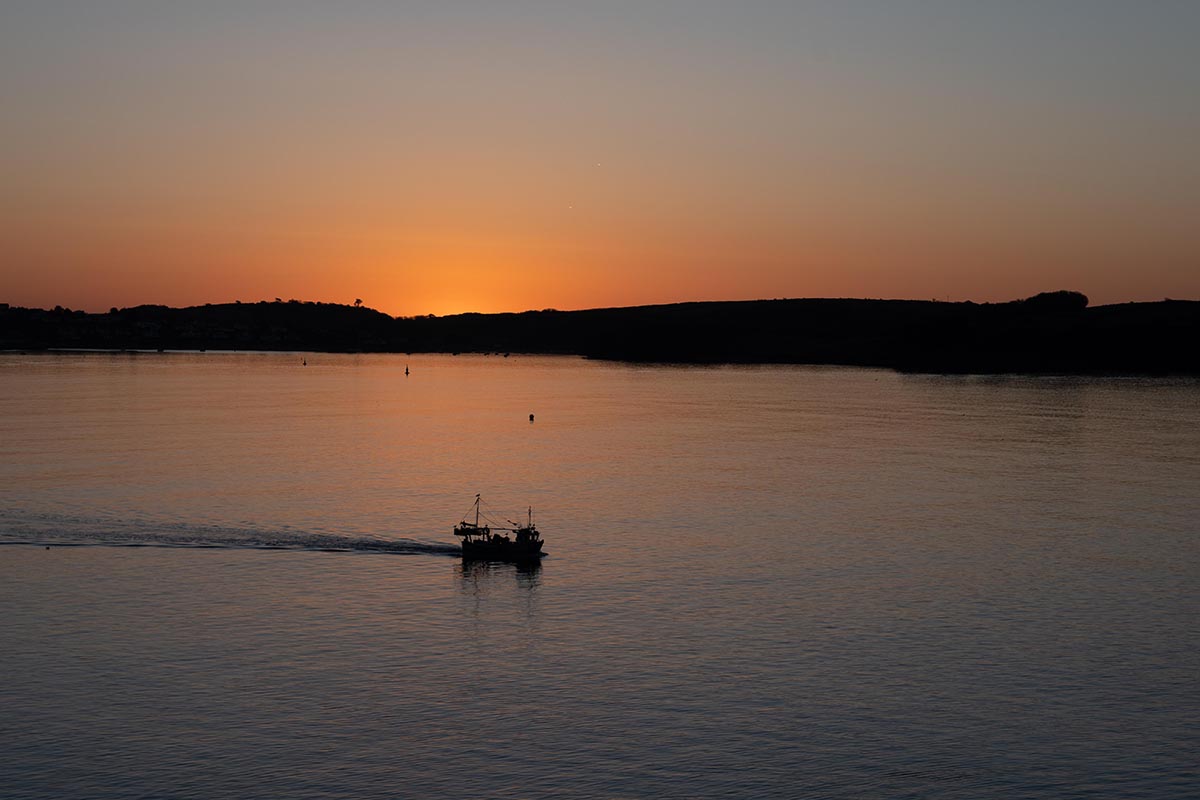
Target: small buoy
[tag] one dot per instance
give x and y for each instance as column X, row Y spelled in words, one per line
column 531, row 417
column 406, row 369
column 304, row 362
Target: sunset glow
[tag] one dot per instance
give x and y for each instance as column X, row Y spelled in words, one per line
column 502, row 157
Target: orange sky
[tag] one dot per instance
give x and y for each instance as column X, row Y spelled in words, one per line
column 557, row 155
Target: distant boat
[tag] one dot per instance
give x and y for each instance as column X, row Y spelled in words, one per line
column 492, row 543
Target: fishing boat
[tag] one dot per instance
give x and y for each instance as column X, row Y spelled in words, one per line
column 483, row 540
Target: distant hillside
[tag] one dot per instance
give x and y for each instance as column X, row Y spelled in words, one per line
column 1054, row 332
column 231, row 326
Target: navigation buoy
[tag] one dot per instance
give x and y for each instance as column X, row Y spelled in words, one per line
column 531, row 417
column 406, row 369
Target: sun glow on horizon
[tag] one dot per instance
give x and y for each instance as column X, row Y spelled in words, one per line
column 564, row 157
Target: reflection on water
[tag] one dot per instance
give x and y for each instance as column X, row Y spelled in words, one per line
column 481, row 577
column 495, row 592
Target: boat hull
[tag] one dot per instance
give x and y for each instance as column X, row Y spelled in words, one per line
column 512, row 552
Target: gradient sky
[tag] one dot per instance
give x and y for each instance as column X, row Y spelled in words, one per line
column 435, row 157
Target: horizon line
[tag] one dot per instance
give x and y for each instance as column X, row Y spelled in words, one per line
column 361, row 305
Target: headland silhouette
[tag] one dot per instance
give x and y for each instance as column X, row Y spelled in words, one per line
column 1053, row 332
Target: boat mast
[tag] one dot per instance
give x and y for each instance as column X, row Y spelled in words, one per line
column 476, row 511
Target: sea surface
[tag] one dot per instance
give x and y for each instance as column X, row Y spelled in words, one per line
column 233, row 575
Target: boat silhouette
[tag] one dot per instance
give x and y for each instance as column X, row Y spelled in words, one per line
column 484, row 541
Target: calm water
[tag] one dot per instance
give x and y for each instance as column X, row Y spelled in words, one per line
column 762, row 582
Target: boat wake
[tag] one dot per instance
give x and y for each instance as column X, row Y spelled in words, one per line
column 68, row 532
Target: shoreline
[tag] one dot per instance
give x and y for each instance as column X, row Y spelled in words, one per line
column 1054, row 333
